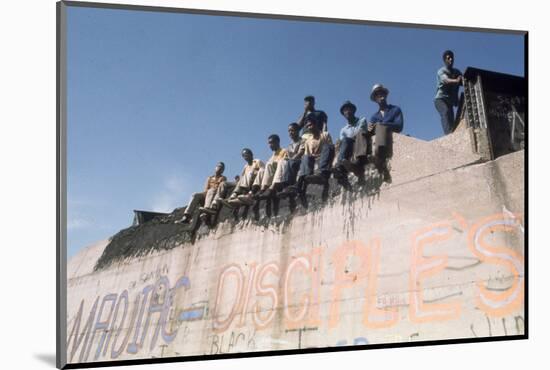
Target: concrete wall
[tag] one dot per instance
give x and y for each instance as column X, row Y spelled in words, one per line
column 436, row 255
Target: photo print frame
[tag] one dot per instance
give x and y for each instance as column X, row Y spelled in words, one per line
column 234, row 184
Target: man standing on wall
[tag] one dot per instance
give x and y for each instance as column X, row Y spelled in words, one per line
column 446, row 97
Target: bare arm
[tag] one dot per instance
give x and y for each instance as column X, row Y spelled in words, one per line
column 452, row 81
column 300, row 151
column 446, row 80
column 302, row 120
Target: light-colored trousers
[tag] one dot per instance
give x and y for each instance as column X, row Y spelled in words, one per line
column 198, row 199
column 272, row 173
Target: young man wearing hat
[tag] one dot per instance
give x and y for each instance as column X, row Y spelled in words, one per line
column 207, row 196
column 386, row 120
column 354, row 126
column 449, row 80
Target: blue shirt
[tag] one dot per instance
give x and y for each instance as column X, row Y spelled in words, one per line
column 445, row 91
column 320, row 117
column 350, row 131
column 393, row 118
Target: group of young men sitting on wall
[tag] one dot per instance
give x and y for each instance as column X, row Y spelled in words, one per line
column 308, row 159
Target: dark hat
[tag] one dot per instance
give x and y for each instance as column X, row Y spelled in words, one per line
column 347, row 103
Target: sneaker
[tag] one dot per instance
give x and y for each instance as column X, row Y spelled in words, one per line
column 292, row 204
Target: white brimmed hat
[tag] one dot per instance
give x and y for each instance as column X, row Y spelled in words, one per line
column 376, row 88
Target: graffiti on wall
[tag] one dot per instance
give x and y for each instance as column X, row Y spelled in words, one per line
column 234, row 341
column 124, row 327
column 251, row 297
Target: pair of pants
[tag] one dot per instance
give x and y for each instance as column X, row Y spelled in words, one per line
column 290, row 169
column 245, row 183
column 354, row 150
column 199, row 199
column 247, row 180
column 268, row 175
column 223, row 190
column 445, row 110
column 363, row 142
column 346, row 149
column 324, row 162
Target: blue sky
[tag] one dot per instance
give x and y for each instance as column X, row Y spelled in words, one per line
column 155, row 100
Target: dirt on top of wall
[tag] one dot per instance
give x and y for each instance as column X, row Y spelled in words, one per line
column 161, row 233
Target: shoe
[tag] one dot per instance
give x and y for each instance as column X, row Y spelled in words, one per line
column 324, row 195
column 292, row 204
column 266, row 194
column 290, row 190
column 231, row 203
column 303, row 200
column 338, row 171
column 357, row 168
column 209, row 211
column 345, row 164
column 344, row 182
column 386, row 176
column 184, row 220
column 316, row 179
column 247, row 199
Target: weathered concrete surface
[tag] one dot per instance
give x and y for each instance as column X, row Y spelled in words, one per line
column 83, row 263
column 459, row 141
column 438, row 255
column 414, row 159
